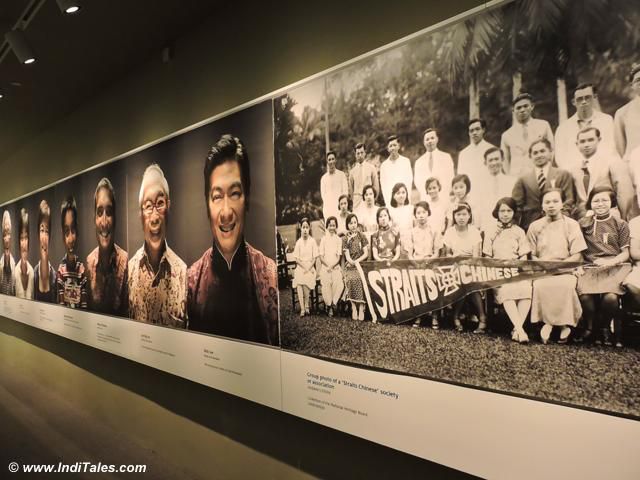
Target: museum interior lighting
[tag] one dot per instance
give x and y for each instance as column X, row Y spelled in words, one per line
column 69, row 6
column 20, row 46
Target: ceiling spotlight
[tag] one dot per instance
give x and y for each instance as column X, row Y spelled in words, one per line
column 18, row 42
column 69, row 6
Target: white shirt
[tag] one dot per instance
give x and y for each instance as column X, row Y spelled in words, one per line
column 332, row 185
column 491, row 189
column 516, row 141
column 471, row 159
column 21, row 292
column 442, row 170
column 361, row 175
column 392, row 172
column 438, row 213
column 568, row 157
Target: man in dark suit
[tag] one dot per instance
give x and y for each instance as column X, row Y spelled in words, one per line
column 527, row 191
column 600, row 169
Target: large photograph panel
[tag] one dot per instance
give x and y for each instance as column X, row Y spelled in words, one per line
column 217, row 248
column 494, row 145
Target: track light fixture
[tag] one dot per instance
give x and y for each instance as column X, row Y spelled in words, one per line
column 69, row 6
column 20, row 46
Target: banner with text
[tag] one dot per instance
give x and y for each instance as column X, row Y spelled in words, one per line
column 402, row 290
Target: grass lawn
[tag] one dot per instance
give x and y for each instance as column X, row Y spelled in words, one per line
column 601, row 378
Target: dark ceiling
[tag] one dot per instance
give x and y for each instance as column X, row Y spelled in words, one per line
column 79, row 55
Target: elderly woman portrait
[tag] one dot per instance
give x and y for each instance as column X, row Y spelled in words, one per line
column 157, row 276
column 232, row 288
column 7, row 262
column 107, row 263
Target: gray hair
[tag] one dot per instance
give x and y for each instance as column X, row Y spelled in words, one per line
column 153, row 173
column 6, row 219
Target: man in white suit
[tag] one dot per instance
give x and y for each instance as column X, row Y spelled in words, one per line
column 568, row 155
column 471, row 158
column 433, row 163
column 395, row 169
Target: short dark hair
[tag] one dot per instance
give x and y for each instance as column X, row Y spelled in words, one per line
column 602, row 189
column 23, row 222
column 359, row 145
column 482, row 122
column 106, row 184
column 582, row 86
column 394, row 190
column 364, row 190
column 44, row 215
column 69, row 205
column 228, row 149
column 544, row 140
column 462, row 177
column 331, row 219
column 459, row 207
column 331, row 152
column 430, row 180
column 424, row 205
column 522, row 96
column 349, row 218
column 379, row 211
column 391, row 138
column 588, row 129
column 508, row 201
column 548, row 190
column 344, row 195
column 429, row 130
column 304, row 220
column 635, row 69
column 491, row 150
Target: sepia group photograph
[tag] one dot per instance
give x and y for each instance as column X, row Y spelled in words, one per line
column 463, row 206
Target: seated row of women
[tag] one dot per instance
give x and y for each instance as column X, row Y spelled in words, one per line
column 602, row 241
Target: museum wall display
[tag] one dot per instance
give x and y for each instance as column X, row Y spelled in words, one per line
column 431, row 246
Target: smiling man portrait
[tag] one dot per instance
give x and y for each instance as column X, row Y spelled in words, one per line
column 232, row 288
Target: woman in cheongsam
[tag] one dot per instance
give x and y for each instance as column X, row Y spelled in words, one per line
column 607, row 254
column 356, row 249
column 506, row 240
column 385, row 243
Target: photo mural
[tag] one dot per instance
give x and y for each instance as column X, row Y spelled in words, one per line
column 452, row 221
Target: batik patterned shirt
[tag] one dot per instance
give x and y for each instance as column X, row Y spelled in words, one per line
column 158, row 296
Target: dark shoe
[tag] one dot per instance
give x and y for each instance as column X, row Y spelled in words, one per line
column 584, row 336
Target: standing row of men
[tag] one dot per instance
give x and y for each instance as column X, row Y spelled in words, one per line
column 590, row 147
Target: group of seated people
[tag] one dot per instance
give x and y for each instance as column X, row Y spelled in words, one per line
column 584, row 302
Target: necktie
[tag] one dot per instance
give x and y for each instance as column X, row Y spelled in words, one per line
column 585, row 178
column 430, row 162
column 541, row 180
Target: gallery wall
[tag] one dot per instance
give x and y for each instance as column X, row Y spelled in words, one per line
column 158, row 99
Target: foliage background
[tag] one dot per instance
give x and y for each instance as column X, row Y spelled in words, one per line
column 442, row 79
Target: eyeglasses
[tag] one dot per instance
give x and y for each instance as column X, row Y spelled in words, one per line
column 160, row 206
